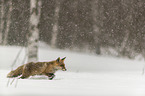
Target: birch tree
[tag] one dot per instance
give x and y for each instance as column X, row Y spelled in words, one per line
column 55, row 23
column 33, row 35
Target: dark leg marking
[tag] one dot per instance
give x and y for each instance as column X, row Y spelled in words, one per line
column 24, row 77
column 50, row 75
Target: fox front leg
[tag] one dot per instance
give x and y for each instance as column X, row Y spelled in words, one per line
column 50, row 75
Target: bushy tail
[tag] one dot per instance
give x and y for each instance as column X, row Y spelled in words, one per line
column 16, row 72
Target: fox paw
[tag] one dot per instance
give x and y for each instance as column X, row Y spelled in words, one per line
column 50, row 78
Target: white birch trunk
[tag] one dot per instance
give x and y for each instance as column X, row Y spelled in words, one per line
column 1, row 20
column 33, row 36
column 55, row 24
column 8, row 23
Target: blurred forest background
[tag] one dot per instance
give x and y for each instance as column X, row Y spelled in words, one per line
column 113, row 27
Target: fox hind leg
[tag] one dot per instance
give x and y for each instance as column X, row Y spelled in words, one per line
column 50, row 75
column 24, row 77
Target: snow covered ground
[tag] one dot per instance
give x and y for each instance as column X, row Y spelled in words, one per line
column 87, row 75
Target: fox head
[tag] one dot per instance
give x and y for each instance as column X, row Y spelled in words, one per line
column 60, row 64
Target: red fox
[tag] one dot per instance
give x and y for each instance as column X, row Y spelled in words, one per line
column 39, row 68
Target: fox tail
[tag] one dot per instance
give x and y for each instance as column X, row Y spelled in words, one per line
column 15, row 73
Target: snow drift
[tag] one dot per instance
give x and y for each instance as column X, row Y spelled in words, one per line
column 87, row 75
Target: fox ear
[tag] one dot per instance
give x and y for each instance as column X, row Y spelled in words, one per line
column 58, row 59
column 63, row 58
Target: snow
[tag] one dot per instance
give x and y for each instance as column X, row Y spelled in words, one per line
column 87, row 75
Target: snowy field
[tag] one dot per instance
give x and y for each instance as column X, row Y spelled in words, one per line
column 87, row 75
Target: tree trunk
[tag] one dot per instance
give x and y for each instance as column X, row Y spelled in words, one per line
column 33, row 35
column 8, row 21
column 124, row 43
column 55, row 24
column 1, row 20
column 143, row 52
column 96, row 30
column 74, row 25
